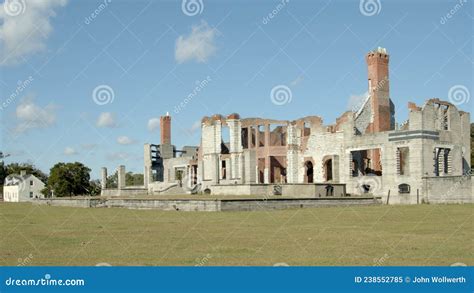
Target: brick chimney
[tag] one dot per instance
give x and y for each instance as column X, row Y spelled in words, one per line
column 165, row 129
column 379, row 90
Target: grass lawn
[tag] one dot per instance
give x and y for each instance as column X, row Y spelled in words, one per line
column 372, row 235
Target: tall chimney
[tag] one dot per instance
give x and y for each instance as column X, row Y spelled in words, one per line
column 165, row 129
column 379, row 90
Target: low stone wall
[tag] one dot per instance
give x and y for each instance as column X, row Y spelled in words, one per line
column 71, row 202
column 288, row 190
column 314, row 190
column 448, row 189
column 207, row 205
column 110, row 192
column 241, row 189
column 167, row 205
column 279, row 204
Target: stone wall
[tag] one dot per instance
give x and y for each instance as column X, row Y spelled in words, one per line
column 167, row 205
column 278, row 204
column 71, row 202
column 127, row 191
column 287, row 190
column 207, row 205
column 449, row 189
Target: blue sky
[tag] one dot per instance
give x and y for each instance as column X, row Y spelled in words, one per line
column 150, row 55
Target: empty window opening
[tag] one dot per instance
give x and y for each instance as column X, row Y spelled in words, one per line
column 309, row 172
column 223, row 169
column 245, row 138
column 328, row 170
column 261, row 135
column 278, row 135
column 307, row 129
column 225, row 147
column 442, row 113
column 442, row 161
column 277, row 169
column 364, row 162
column 225, row 139
column 402, row 161
column 261, row 170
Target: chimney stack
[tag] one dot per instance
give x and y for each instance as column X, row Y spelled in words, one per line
column 165, row 129
column 379, row 90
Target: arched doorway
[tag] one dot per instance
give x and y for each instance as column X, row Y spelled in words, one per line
column 309, row 172
column 328, row 170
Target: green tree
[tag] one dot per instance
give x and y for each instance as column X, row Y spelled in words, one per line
column 3, row 173
column 95, row 187
column 69, row 179
column 132, row 179
column 16, row 168
column 112, row 181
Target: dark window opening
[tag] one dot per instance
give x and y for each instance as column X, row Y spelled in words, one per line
column 309, row 175
column 404, row 188
column 224, row 169
column 245, row 138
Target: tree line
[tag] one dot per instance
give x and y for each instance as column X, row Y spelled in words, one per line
column 67, row 179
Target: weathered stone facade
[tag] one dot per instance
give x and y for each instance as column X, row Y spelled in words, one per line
column 364, row 150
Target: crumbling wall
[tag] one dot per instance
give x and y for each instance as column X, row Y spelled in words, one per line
column 364, row 117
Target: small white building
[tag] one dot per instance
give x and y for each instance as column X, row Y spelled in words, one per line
column 23, row 187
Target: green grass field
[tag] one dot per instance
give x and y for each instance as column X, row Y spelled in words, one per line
column 372, row 235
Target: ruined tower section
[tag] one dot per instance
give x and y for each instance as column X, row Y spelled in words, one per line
column 211, row 148
column 165, row 129
column 383, row 109
column 293, row 141
column 166, row 149
column 154, row 154
column 235, row 146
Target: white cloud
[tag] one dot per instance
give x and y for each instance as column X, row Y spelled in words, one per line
column 26, row 33
column 194, row 128
column 107, row 119
column 69, row 151
column 30, row 116
column 199, row 45
column 153, row 124
column 125, row 140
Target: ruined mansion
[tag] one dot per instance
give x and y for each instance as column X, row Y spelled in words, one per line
column 364, row 153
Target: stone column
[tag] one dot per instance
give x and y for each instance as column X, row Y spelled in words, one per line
column 147, row 174
column 121, row 177
column 211, row 148
column 241, row 167
column 103, row 178
column 292, row 154
column 250, row 163
column 235, row 129
column 249, row 136
column 266, row 171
